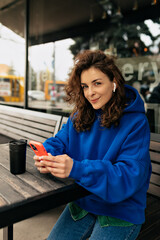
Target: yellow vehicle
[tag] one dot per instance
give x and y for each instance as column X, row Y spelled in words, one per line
column 11, row 88
column 59, row 87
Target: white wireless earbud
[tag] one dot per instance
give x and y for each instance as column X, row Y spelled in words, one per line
column 114, row 88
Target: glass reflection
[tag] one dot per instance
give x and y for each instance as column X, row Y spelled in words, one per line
column 49, row 65
column 12, row 62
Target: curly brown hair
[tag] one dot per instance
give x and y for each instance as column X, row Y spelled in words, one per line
column 83, row 114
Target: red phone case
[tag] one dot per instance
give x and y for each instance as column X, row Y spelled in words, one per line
column 38, row 148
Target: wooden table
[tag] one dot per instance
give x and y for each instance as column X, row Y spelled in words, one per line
column 25, row 195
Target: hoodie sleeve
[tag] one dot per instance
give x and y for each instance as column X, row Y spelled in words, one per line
column 58, row 145
column 118, row 179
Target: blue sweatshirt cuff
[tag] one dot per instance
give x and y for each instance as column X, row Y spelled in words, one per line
column 77, row 170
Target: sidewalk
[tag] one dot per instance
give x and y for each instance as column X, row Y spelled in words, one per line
column 35, row 228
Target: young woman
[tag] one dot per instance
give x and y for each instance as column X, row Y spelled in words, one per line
column 105, row 147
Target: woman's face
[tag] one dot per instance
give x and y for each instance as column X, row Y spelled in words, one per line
column 97, row 87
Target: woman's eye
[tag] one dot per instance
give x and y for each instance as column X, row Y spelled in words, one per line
column 97, row 83
column 84, row 86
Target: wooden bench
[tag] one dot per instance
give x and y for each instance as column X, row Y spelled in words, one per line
column 151, row 228
column 20, row 123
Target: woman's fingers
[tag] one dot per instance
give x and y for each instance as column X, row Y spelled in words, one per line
column 52, row 164
column 43, row 170
column 59, row 166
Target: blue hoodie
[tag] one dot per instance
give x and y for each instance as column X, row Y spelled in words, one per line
column 112, row 163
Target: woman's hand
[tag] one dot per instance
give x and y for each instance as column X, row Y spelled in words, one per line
column 59, row 166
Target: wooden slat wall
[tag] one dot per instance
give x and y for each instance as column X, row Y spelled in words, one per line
column 154, row 187
column 21, row 123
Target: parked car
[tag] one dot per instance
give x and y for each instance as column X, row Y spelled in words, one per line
column 36, row 95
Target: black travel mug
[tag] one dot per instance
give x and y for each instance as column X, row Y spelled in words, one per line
column 17, row 151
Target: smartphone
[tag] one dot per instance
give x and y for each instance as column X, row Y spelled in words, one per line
column 38, row 148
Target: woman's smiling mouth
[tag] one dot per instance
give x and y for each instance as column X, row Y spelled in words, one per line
column 94, row 100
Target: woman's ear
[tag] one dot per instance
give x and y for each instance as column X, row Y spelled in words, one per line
column 114, row 87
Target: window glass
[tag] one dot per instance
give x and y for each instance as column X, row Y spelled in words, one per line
column 12, row 54
column 49, row 65
column 141, row 67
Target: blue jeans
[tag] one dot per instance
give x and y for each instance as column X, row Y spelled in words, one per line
column 89, row 227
